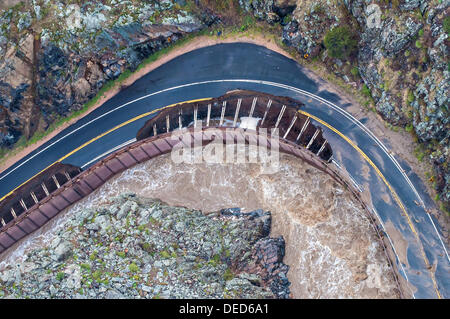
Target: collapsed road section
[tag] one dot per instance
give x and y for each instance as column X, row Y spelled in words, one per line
column 244, row 109
column 242, row 116
column 45, row 195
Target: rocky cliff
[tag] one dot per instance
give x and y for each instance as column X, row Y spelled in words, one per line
column 399, row 60
column 143, row 248
column 55, row 56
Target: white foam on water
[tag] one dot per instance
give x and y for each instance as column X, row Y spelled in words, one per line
column 331, row 248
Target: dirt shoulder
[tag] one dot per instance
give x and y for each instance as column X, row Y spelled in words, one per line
column 196, row 43
column 401, row 142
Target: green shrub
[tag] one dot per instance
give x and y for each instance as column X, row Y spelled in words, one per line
column 228, row 275
column 121, row 254
column 287, row 19
column 409, row 128
column 410, row 97
column 60, row 276
column 97, row 275
column 133, row 267
column 148, row 247
column 247, row 22
column 446, row 25
column 419, row 153
column 318, row 8
column 366, row 91
column 418, row 44
column 421, row 33
column 165, row 254
column 93, row 256
column 355, row 71
column 424, row 58
column 85, row 267
column 340, row 42
column 420, row 156
column 214, row 261
column 198, row 266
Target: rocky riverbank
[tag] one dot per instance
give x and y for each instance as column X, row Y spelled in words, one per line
column 395, row 52
column 142, row 248
column 332, row 249
column 56, row 57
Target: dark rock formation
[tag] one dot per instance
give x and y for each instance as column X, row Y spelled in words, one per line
column 76, row 50
column 142, row 248
column 67, row 81
column 267, row 255
column 402, row 60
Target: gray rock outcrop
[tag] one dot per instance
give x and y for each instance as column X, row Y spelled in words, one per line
column 143, row 248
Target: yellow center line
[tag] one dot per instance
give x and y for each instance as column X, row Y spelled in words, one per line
column 397, row 199
column 300, row 111
column 102, row 135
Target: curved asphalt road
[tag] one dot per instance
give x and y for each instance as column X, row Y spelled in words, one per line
column 212, row 71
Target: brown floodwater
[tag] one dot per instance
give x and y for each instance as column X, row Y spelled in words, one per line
column 331, row 247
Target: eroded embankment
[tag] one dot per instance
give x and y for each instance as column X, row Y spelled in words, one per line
column 331, row 247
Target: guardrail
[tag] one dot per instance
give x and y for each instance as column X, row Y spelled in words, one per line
column 297, row 136
column 34, row 190
column 243, row 108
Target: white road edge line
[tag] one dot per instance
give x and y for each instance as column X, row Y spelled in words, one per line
column 354, row 182
column 268, row 83
column 349, row 175
column 374, row 212
column 383, row 147
column 110, row 151
column 393, row 248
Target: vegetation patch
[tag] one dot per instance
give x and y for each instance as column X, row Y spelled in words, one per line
column 340, row 42
column 446, row 25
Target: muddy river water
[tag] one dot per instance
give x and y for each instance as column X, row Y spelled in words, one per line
column 331, row 247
